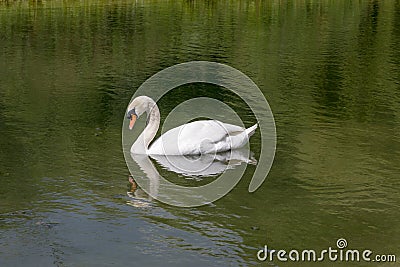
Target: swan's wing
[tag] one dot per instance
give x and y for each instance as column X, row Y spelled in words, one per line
column 211, row 130
column 195, row 138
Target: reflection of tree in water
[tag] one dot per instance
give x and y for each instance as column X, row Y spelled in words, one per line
column 369, row 19
column 329, row 81
column 395, row 51
column 367, row 30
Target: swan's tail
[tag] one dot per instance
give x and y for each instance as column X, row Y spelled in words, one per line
column 251, row 130
column 239, row 140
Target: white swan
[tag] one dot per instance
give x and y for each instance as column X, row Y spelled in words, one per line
column 194, row 138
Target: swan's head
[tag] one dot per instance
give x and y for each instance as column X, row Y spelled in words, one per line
column 137, row 107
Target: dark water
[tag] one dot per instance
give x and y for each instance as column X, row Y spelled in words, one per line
column 330, row 71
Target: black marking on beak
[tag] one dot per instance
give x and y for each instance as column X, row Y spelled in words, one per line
column 130, row 113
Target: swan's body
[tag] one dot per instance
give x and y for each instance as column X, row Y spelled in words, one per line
column 198, row 137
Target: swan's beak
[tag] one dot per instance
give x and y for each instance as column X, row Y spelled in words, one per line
column 132, row 121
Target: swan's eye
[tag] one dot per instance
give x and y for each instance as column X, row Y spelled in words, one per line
column 130, row 113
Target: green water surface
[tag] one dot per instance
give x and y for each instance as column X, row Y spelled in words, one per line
column 330, row 71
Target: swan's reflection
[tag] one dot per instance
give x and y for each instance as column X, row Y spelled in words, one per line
column 139, row 198
column 205, row 165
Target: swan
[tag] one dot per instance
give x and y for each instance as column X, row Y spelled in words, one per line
column 193, row 138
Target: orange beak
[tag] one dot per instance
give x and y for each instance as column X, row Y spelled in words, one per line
column 132, row 121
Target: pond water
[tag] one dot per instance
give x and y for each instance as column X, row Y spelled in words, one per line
column 330, row 71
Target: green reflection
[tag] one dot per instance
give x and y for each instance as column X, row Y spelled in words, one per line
column 330, row 71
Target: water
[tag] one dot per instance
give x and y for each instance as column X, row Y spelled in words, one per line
column 329, row 70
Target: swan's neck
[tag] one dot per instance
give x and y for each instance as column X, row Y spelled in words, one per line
column 141, row 145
